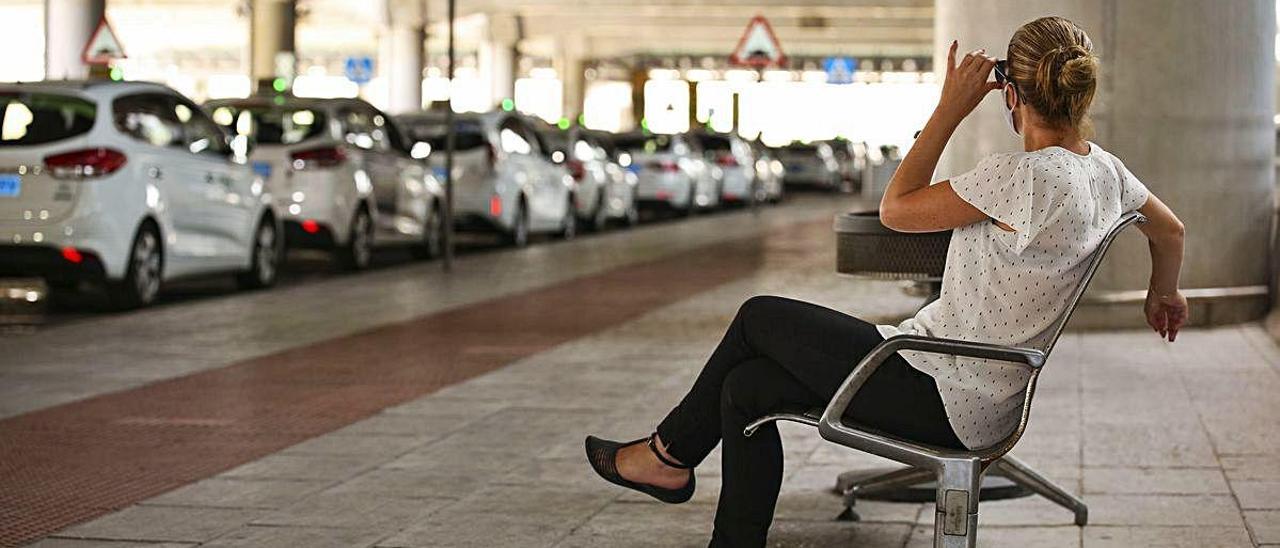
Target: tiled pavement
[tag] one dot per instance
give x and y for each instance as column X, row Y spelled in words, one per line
column 1171, row 445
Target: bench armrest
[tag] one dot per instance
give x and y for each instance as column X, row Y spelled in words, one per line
column 832, row 417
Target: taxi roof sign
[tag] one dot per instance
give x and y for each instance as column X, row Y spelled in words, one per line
column 103, row 46
column 758, row 46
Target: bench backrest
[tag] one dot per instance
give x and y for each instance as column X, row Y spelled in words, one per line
column 1046, row 340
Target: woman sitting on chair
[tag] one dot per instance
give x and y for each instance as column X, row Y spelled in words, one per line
column 1025, row 224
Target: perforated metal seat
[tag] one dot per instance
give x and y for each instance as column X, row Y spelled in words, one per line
column 958, row 474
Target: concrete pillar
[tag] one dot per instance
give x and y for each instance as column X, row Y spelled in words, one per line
column 271, row 31
column 570, row 66
column 68, row 24
column 498, row 57
column 401, row 54
column 1185, row 99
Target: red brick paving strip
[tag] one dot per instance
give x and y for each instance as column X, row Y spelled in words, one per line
column 74, row 462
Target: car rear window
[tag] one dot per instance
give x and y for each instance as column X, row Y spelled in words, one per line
column 469, row 135
column 644, row 143
column 272, row 125
column 715, row 142
column 38, row 118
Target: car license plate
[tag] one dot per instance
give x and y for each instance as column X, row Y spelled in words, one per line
column 634, row 168
column 10, row 185
column 263, row 169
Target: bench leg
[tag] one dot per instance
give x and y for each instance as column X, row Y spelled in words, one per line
column 955, row 523
column 1024, row 475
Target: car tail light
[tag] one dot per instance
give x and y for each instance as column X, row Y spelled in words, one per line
column 322, row 157
column 576, row 169
column 495, row 206
column 310, row 226
column 727, row 160
column 83, row 164
column 72, row 255
column 665, row 165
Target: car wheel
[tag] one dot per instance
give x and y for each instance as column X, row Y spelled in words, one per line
column 600, row 220
column 519, row 236
column 432, row 245
column 265, row 264
column 569, row 225
column 141, row 282
column 358, row 252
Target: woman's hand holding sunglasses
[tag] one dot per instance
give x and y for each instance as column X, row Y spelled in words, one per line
column 966, row 83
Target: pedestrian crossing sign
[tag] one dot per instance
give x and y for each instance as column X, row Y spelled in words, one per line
column 758, row 46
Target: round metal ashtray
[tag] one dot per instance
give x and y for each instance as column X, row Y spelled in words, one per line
column 865, row 248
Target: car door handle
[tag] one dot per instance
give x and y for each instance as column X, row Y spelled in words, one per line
column 155, row 173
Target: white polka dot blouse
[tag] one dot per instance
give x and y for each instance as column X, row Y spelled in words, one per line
column 1007, row 287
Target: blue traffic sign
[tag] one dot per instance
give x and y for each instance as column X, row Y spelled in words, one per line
column 840, row 70
column 359, row 69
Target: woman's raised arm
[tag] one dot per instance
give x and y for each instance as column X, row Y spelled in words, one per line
column 910, row 203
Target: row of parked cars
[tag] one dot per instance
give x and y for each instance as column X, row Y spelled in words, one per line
column 131, row 185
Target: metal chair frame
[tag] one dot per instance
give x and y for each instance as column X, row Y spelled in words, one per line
column 958, row 474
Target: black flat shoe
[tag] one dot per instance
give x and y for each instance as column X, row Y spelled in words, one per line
column 603, row 456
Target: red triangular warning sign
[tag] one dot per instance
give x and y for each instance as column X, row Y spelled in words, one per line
column 758, row 46
column 103, row 46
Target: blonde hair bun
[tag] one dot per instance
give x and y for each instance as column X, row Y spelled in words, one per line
column 1051, row 59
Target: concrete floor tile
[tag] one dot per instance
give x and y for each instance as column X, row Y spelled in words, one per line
column 163, row 523
column 1257, row 494
column 410, row 484
column 1166, row 537
column 1141, row 445
column 1264, row 524
column 1009, row 537
column 1155, row 481
column 354, row 510
column 339, row 445
column 644, row 525
column 227, row 492
column 1163, row 510
column 305, row 467
column 252, row 536
column 482, row 531
column 809, row 534
column 1251, row 467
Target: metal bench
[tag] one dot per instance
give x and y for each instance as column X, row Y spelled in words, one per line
column 957, row 474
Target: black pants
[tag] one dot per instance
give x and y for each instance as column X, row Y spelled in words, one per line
column 780, row 354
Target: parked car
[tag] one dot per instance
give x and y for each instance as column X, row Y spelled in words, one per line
column 340, row 173
column 810, row 164
column 126, row 184
column 672, row 171
column 602, row 192
column 852, row 159
column 736, row 160
column 624, row 201
column 769, row 172
column 501, row 180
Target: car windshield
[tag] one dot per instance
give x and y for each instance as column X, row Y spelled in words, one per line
column 469, row 134
column 271, row 125
column 644, row 143
column 38, row 118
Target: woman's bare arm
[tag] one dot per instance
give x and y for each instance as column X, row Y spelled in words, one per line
column 910, row 203
column 1166, row 308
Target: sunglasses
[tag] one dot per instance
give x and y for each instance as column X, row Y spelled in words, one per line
column 1002, row 72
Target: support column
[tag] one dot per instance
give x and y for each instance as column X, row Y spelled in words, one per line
column 497, row 57
column 1198, row 131
column 68, row 25
column 401, row 54
column 271, row 31
column 570, row 65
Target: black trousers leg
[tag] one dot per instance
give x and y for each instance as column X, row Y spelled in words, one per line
column 752, row 472
column 795, row 354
